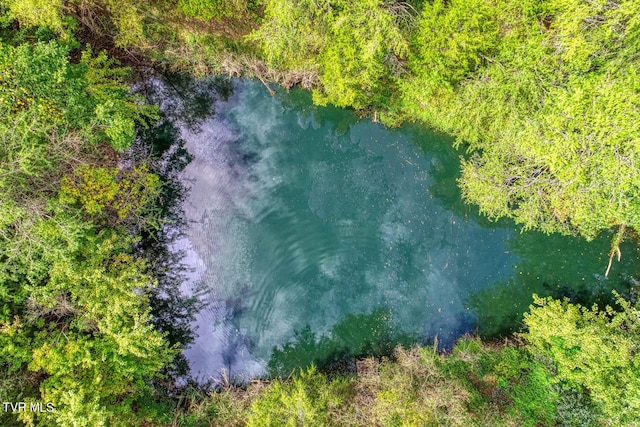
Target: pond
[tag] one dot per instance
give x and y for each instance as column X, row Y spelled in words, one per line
column 323, row 235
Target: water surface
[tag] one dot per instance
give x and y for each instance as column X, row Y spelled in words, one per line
column 308, row 224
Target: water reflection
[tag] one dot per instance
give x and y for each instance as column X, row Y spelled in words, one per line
column 310, row 224
column 357, row 336
column 561, row 267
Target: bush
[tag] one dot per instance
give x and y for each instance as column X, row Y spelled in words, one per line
column 591, row 349
column 308, row 400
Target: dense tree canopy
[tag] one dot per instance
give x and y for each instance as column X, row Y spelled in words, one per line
column 596, row 350
column 75, row 327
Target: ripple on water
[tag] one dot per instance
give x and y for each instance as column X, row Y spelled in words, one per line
column 304, row 219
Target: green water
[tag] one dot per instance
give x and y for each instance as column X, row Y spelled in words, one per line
column 324, row 235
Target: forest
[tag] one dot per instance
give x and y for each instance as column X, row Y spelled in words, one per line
column 543, row 96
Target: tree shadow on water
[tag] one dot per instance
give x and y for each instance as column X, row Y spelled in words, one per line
column 552, row 266
column 172, row 310
column 357, row 336
column 501, row 307
column 187, row 100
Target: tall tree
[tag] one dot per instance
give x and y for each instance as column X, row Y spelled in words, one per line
column 595, row 350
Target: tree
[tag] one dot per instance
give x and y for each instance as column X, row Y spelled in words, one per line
column 545, row 95
column 596, row 350
column 43, row 13
column 453, row 40
column 293, row 33
column 365, row 41
column 55, row 110
column 74, row 316
column 83, row 325
column 110, row 194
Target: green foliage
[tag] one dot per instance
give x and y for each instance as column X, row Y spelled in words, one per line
column 205, row 10
column 411, row 391
column 42, row 13
column 126, row 23
column 476, row 384
column 560, row 158
column 365, row 43
column 83, row 323
column 575, row 409
column 50, row 105
column 75, row 326
column 309, row 400
column 292, row 33
column 544, row 94
column 109, row 192
column 32, row 86
column 522, row 381
column 591, row 349
column 570, row 169
column 355, row 46
column 117, row 110
column 130, row 18
column 93, row 189
column 452, row 42
column 222, row 408
column 507, row 377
